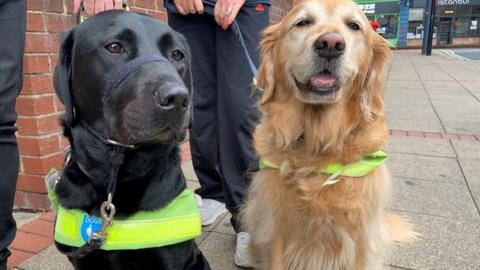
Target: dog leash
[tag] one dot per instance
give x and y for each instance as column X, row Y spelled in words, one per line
column 238, row 33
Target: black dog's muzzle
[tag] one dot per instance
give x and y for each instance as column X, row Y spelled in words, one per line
column 116, row 76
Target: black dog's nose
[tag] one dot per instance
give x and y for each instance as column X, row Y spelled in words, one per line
column 172, row 98
column 329, row 45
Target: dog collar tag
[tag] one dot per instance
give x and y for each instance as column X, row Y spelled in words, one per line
column 90, row 224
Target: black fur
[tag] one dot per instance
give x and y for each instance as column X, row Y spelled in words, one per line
column 150, row 176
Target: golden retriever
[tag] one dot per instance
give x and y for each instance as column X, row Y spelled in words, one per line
column 322, row 77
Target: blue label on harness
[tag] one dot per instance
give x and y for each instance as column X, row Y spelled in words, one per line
column 90, row 224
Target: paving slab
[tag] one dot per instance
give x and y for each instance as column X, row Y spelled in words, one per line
column 407, row 119
column 443, row 244
column 461, row 115
column 403, row 85
column 202, row 237
column 440, row 169
column 472, row 87
column 459, row 72
column 22, row 218
column 475, row 189
column 473, row 66
column 193, row 185
column 467, row 149
column 49, row 259
column 224, row 226
column 448, row 200
column 471, row 170
column 430, row 72
column 219, row 249
column 420, row 146
column 188, row 171
column 402, row 71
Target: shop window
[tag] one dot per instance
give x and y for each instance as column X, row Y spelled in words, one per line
column 474, row 27
column 461, row 27
column 415, row 23
column 415, row 30
column 388, row 26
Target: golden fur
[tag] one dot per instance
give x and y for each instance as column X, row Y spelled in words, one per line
column 295, row 222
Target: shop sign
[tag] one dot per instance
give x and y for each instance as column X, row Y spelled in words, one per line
column 381, row 7
column 367, row 8
column 458, row 2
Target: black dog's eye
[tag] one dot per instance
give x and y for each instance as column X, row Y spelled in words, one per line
column 303, row 23
column 114, row 47
column 354, row 26
column 177, row 55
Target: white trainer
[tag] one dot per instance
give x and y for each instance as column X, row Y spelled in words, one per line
column 242, row 257
column 210, row 210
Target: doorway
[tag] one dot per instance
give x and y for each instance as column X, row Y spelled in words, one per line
column 444, row 31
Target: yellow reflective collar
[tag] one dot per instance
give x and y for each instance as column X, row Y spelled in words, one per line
column 177, row 222
column 356, row 169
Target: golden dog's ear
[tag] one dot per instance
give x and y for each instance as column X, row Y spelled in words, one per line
column 265, row 75
column 371, row 99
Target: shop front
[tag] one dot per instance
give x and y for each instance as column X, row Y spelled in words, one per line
column 387, row 14
column 457, row 22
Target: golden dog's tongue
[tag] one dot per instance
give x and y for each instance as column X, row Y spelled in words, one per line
column 323, row 81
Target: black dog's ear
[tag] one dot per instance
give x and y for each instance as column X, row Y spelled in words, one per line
column 62, row 79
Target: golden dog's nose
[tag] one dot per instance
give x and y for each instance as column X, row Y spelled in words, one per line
column 329, row 45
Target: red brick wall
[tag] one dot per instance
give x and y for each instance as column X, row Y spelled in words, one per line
column 39, row 135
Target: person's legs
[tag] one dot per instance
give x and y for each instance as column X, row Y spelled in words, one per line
column 200, row 33
column 12, row 33
column 237, row 113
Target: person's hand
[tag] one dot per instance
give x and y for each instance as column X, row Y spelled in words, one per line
column 95, row 6
column 189, row 6
column 226, row 11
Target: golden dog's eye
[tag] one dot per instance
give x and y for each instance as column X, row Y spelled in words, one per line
column 177, row 55
column 303, row 23
column 114, row 47
column 354, row 26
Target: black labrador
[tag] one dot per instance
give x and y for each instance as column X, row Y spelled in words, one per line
column 148, row 106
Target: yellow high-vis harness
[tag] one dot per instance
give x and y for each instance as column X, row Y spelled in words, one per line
column 177, row 222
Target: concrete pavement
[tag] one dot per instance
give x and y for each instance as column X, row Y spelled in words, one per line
column 433, row 110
